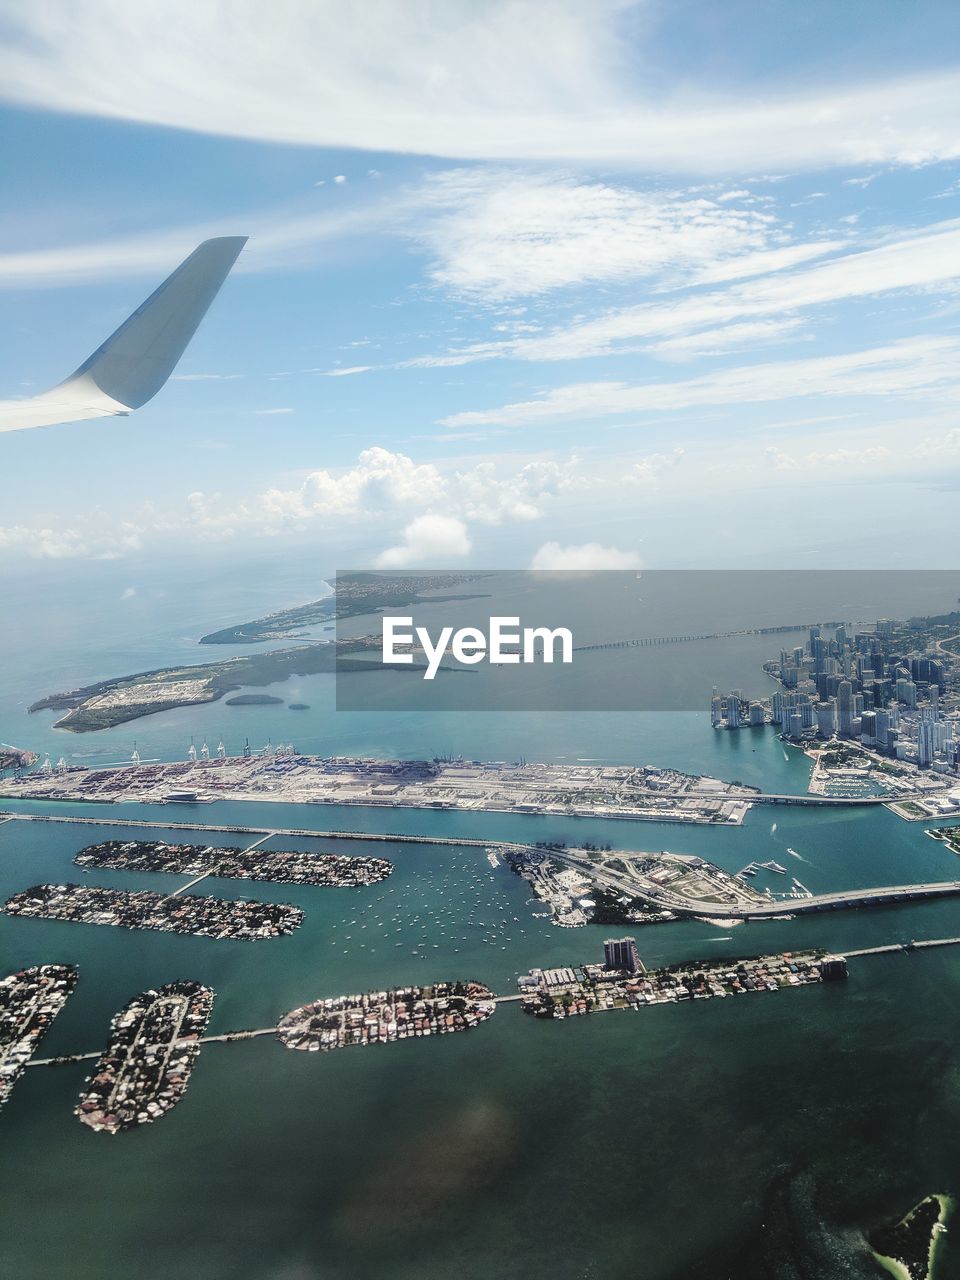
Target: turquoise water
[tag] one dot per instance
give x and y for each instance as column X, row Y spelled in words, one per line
column 747, row 1138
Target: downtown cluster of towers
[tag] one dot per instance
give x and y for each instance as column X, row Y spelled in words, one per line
column 855, row 687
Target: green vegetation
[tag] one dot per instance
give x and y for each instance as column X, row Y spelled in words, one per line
column 610, row 910
column 254, row 700
column 114, row 701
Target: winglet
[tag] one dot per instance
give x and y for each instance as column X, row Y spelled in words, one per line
column 135, row 361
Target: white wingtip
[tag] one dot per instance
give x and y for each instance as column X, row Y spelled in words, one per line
column 133, row 364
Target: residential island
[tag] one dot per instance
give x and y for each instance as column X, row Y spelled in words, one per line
column 623, row 982
column 29, row 1002
column 221, row 918
column 324, row 870
column 145, row 1069
column 381, row 1017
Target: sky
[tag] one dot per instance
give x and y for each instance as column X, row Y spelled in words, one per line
column 528, row 284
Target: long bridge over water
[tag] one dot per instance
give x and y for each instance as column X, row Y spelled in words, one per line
column 843, row 901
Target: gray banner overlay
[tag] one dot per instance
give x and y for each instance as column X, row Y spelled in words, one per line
column 659, row 640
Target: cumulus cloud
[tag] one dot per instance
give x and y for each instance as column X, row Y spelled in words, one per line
column 384, row 483
column 450, row 78
column 93, row 537
column 380, row 481
column 428, row 540
column 588, row 555
column 648, row 470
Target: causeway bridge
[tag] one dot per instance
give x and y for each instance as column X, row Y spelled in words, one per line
column 843, row 901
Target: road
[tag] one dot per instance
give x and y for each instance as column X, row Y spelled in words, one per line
column 844, row 900
column 209, row 872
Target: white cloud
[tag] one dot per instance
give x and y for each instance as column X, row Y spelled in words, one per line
column 450, row 78
column 128, row 593
column 502, row 234
column 910, row 366
column 269, row 413
column 93, row 537
column 381, row 481
column 588, row 555
column 733, row 337
column 648, row 470
column 926, row 259
column 427, row 540
column 924, row 449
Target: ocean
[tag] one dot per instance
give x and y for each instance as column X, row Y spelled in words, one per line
column 746, row 1138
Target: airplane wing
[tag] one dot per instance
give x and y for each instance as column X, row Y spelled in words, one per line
column 134, row 363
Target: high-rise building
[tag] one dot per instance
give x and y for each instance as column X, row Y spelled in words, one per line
column 906, row 693
column 845, row 708
column 925, row 743
column 733, row 711
column 884, row 725
column 622, row 954
column 826, row 713
column 757, row 717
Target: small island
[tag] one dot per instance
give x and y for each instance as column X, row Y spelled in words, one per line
column 381, row 1017
column 170, row 913
column 254, row 700
column 298, row 706
column 909, row 1248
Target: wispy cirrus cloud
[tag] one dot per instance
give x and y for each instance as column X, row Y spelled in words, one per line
column 910, row 366
column 500, row 233
column 448, row 78
column 926, row 259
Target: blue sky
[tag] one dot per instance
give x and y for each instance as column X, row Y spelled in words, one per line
column 543, row 284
